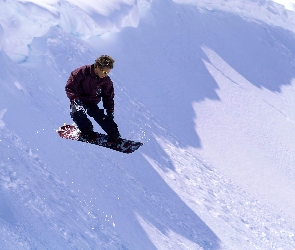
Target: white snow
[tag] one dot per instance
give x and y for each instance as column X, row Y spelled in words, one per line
column 289, row 4
column 207, row 86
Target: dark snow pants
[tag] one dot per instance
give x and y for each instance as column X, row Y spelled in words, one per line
column 79, row 115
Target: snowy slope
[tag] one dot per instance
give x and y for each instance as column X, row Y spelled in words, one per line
column 208, row 87
column 288, row 4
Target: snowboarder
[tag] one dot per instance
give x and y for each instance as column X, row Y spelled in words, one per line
column 85, row 88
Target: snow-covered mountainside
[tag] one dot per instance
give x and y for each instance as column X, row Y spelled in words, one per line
column 207, row 86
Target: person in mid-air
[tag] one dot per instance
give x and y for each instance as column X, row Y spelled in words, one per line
column 85, row 88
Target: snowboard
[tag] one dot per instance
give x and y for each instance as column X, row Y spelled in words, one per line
column 122, row 145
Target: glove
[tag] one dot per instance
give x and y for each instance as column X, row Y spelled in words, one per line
column 78, row 105
column 110, row 115
column 77, row 102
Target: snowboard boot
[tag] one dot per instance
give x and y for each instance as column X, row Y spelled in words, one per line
column 114, row 139
column 88, row 137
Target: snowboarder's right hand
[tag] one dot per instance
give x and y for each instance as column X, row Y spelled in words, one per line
column 77, row 102
column 110, row 115
column 78, row 105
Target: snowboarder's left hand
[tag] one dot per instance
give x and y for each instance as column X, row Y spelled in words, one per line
column 110, row 116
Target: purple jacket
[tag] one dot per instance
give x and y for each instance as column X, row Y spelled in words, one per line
column 85, row 85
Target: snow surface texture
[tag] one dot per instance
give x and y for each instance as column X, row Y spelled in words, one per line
column 289, row 4
column 207, row 87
